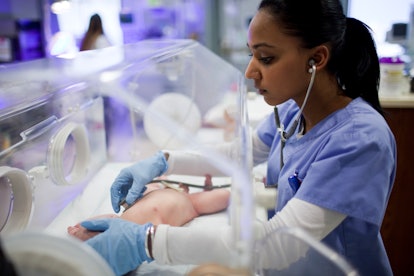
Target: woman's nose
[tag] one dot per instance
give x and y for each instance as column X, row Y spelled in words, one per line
column 251, row 72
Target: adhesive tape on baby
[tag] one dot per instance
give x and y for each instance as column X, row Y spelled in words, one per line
column 174, row 106
column 41, row 254
column 60, row 147
column 16, row 200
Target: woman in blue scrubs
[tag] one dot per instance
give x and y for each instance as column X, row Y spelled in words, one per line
column 328, row 147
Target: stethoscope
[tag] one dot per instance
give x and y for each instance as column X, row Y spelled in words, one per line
column 173, row 184
column 285, row 135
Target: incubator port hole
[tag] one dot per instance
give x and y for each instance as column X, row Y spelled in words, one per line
column 6, row 200
column 69, row 156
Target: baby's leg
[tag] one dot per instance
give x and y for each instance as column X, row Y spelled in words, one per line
column 82, row 233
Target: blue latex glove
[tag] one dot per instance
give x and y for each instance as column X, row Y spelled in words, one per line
column 121, row 244
column 131, row 181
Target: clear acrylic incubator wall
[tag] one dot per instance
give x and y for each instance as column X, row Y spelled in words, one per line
column 63, row 121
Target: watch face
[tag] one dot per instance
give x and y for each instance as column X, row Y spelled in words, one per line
column 6, row 201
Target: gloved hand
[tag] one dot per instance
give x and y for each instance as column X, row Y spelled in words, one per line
column 121, row 244
column 131, row 181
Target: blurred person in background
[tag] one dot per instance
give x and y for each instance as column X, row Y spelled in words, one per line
column 94, row 37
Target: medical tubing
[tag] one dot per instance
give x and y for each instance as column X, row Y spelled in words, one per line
column 191, row 185
column 307, row 92
column 295, row 124
column 280, row 127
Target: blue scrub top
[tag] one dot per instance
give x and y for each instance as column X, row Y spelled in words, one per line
column 346, row 163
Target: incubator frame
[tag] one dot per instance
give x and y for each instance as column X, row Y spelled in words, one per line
column 63, row 138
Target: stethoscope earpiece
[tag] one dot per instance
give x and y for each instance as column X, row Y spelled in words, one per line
column 311, row 62
column 312, row 65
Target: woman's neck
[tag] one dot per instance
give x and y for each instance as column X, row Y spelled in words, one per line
column 322, row 102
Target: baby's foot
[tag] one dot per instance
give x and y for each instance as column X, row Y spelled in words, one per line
column 81, row 233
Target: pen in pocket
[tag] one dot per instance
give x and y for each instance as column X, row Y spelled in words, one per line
column 294, row 181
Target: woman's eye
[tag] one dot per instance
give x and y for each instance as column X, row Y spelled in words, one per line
column 266, row 60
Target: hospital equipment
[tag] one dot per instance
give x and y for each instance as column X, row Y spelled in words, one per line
column 39, row 253
column 168, row 183
column 68, row 127
column 284, row 135
column 175, row 184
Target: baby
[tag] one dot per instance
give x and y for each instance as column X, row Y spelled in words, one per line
column 164, row 205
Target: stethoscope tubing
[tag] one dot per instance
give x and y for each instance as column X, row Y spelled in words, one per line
column 212, row 187
column 284, row 135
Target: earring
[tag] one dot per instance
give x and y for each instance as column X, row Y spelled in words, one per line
column 343, row 87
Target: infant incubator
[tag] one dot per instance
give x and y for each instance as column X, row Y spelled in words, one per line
column 68, row 126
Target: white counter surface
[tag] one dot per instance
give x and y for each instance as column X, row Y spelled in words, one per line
column 398, row 101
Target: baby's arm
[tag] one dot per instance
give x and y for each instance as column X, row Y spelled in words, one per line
column 209, row 202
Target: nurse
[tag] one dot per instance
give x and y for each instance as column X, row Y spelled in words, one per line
column 329, row 150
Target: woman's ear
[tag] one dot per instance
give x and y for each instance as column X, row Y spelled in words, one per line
column 320, row 56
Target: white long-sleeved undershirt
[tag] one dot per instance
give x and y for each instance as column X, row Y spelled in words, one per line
column 209, row 243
